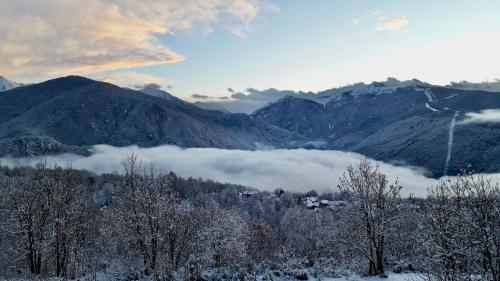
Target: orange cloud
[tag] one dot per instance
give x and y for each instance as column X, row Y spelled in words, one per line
column 393, row 24
column 56, row 37
column 133, row 79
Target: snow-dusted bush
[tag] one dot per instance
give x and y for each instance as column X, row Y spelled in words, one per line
column 222, row 239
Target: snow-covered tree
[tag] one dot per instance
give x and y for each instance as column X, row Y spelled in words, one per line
column 262, row 241
column 154, row 223
column 51, row 214
column 222, row 240
column 370, row 214
column 298, row 231
column 463, row 229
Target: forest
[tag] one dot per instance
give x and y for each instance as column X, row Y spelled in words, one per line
column 149, row 224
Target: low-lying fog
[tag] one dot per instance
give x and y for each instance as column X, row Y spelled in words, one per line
column 294, row 170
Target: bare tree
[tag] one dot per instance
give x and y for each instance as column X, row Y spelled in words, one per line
column 222, row 239
column 140, row 211
column 370, row 213
column 154, row 222
column 298, row 231
column 463, row 229
column 261, row 243
column 51, row 214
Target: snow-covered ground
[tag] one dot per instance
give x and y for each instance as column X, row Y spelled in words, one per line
column 391, row 277
column 429, row 95
column 430, row 107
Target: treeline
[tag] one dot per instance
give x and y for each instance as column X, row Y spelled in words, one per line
column 75, row 224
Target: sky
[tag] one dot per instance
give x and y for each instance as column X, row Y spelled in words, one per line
column 205, row 47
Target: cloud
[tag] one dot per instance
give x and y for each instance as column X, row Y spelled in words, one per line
column 295, row 170
column 490, row 86
column 483, row 116
column 356, row 21
column 133, row 80
column 246, row 102
column 56, row 37
column 239, row 102
column 200, row 97
column 393, row 24
column 153, row 86
column 240, row 96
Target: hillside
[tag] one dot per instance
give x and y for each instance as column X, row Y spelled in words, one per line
column 68, row 114
column 405, row 125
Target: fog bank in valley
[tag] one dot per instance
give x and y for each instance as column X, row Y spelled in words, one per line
column 483, row 116
column 294, row 170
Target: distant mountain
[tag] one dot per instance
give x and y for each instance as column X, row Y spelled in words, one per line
column 490, row 86
column 159, row 93
column 212, row 106
column 406, row 124
column 254, row 99
column 387, row 86
column 246, row 102
column 6, row 84
column 71, row 113
column 401, row 122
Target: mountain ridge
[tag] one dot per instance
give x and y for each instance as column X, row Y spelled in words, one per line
column 410, row 125
column 407, row 124
column 6, row 84
column 76, row 111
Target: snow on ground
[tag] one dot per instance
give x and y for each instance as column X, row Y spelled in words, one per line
column 452, row 96
column 429, row 95
column 391, row 277
column 430, row 107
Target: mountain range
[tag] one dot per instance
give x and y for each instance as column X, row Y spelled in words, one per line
column 407, row 123
column 252, row 99
column 410, row 125
column 72, row 113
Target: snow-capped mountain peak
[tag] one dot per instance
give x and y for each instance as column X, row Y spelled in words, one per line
column 6, row 84
column 377, row 88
